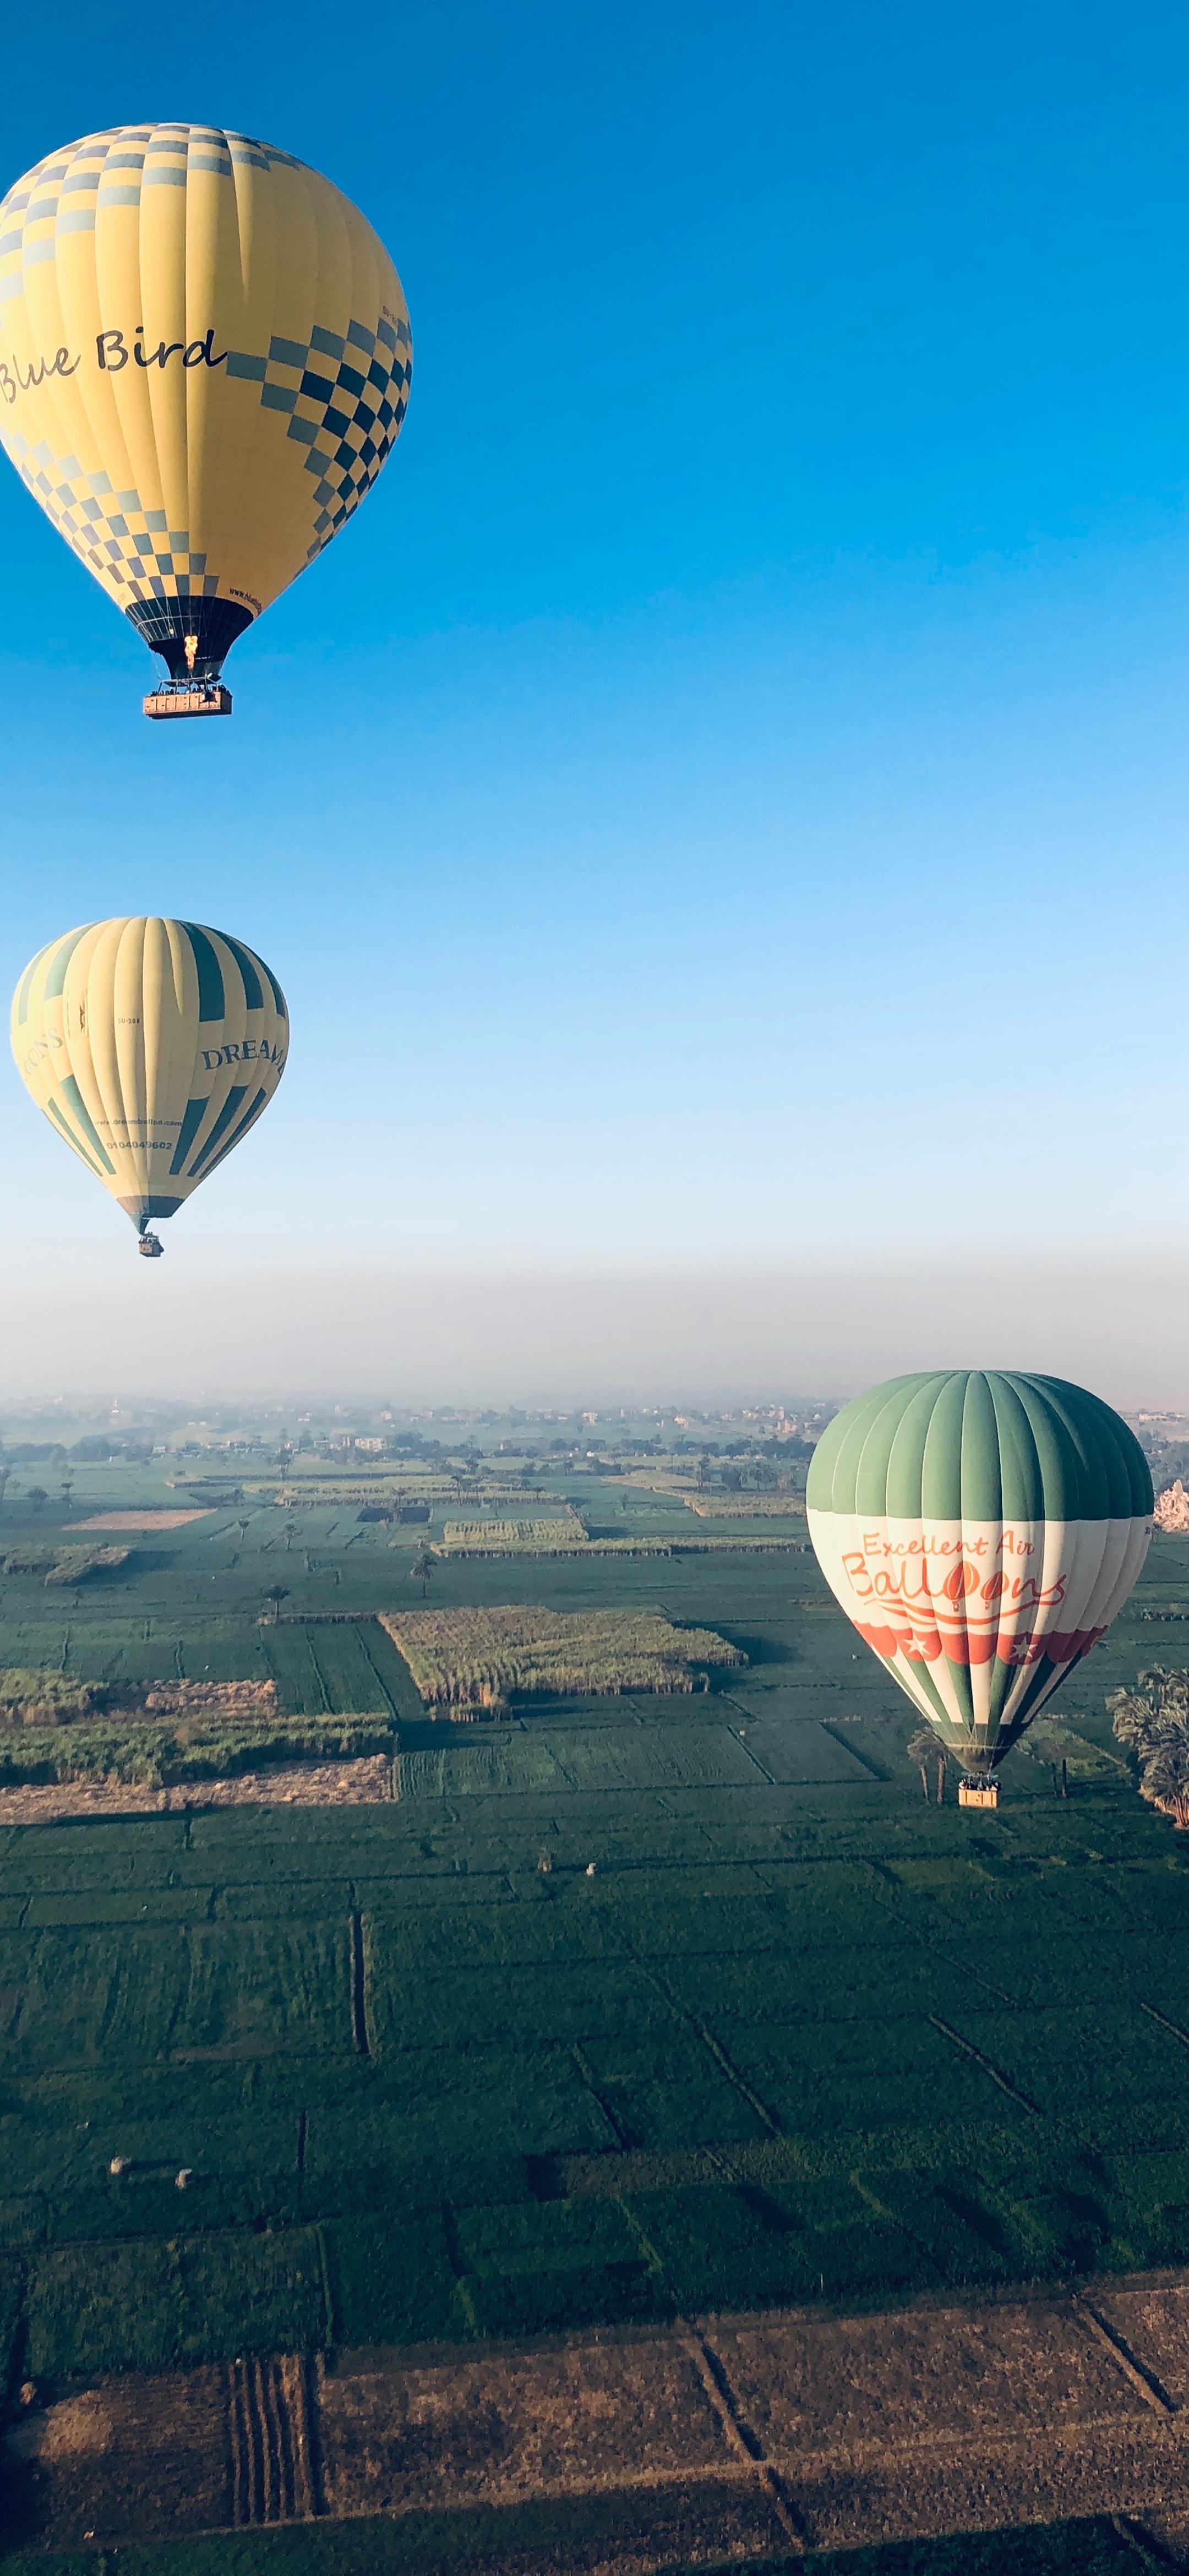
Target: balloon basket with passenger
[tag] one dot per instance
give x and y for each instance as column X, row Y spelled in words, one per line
column 187, row 698
column 972, row 1792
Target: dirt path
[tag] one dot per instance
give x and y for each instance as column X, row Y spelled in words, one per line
column 753, row 2436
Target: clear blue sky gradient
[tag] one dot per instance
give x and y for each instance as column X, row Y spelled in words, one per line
column 723, row 799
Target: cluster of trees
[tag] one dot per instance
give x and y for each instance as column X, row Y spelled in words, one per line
column 1168, row 1459
column 36, row 1696
column 1153, row 1722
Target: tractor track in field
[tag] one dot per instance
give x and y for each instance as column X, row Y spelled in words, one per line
column 269, row 2440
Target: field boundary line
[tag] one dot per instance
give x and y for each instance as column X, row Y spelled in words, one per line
column 268, row 2392
column 370, row 1660
column 311, row 2369
column 865, row 1761
column 1143, row 2380
column 327, row 2287
column 458, row 2265
column 237, row 2464
column 594, row 2088
column 713, row 2046
column 1139, row 2540
column 1172, row 2027
column 1014, row 2092
column 320, row 1678
column 733, row 2076
column 741, row 1741
column 358, row 1987
column 737, row 2432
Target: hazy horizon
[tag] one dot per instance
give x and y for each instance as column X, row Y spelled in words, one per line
column 692, row 1335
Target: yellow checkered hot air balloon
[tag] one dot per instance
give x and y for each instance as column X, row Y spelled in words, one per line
column 204, row 362
column 152, row 1046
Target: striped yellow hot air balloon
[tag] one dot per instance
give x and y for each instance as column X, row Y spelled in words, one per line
column 152, row 1046
column 204, row 362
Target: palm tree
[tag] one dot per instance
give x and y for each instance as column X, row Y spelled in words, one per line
column 921, row 1747
column 1156, row 1708
column 1165, row 1781
column 424, row 1565
column 37, row 1496
column 276, row 1593
column 1153, row 1722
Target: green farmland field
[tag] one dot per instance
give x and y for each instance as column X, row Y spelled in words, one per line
column 621, row 2007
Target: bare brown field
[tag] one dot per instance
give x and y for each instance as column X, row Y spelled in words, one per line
column 143, row 1520
column 362, row 1782
column 758, row 2435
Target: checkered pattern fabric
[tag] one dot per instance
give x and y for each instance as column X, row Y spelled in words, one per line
column 122, row 161
column 346, row 399
column 337, row 398
column 130, row 546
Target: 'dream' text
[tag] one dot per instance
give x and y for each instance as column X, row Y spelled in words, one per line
column 243, row 1051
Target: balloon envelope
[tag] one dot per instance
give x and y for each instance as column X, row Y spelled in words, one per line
column 980, row 1529
column 204, row 362
column 152, row 1046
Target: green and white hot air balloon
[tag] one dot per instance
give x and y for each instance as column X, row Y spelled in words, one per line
column 981, row 1528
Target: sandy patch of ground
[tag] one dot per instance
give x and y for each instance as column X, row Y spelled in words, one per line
column 147, row 1520
column 624, row 2451
column 366, row 1782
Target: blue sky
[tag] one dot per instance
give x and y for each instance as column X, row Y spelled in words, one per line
column 722, row 802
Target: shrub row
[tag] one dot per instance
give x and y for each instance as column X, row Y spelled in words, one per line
column 158, row 1757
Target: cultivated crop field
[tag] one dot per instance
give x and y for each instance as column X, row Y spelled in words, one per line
column 483, row 1658
column 620, row 2008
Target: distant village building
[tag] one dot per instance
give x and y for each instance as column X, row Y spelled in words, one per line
column 1171, row 1511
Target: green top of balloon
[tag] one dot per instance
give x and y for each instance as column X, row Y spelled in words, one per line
column 980, row 1445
